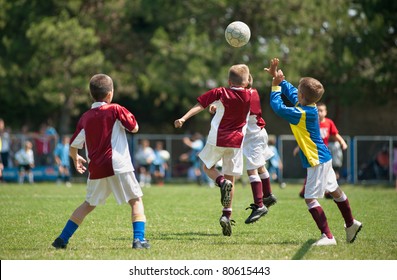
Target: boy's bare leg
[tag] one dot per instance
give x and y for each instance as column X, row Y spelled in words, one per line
column 226, row 183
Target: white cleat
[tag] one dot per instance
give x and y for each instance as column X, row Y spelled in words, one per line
column 325, row 241
column 352, row 231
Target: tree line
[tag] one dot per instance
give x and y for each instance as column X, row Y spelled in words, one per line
column 162, row 54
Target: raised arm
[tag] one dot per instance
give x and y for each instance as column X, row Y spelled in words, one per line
column 193, row 111
column 272, row 70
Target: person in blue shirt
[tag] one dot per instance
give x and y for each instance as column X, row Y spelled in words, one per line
column 159, row 165
column 61, row 154
column 275, row 164
column 314, row 154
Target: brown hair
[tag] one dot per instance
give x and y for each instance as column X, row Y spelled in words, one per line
column 311, row 89
column 100, row 86
column 321, row 104
column 239, row 75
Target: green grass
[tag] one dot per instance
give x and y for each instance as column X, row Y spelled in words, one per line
column 182, row 224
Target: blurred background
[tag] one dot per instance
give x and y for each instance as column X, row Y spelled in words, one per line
column 163, row 54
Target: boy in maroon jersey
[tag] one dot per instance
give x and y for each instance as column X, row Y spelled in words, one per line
column 226, row 135
column 256, row 153
column 102, row 131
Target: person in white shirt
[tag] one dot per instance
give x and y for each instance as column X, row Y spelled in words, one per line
column 25, row 160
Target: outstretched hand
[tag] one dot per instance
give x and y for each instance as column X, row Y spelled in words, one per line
column 272, row 70
column 179, row 123
column 278, row 78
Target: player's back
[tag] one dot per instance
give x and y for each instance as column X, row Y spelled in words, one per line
column 102, row 130
column 255, row 121
column 228, row 124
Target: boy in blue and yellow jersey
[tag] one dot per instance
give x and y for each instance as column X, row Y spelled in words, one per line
column 315, row 156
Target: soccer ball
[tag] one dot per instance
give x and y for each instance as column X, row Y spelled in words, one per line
column 237, row 34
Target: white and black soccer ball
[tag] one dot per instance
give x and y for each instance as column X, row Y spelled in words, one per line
column 237, row 34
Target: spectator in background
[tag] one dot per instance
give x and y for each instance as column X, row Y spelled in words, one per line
column 377, row 168
column 25, row 161
column 53, row 135
column 159, row 165
column 275, row 165
column 381, row 164
column 42, row 142
column 61, row 155
column 5, row 144
column 196, row 144
column 144, row 157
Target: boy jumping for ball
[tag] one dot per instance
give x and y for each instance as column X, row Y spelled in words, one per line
column 315, row 156
column 226, row 135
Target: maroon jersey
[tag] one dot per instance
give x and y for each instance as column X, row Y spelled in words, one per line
column 229, row 123
column 256, row 109
column 102, row 130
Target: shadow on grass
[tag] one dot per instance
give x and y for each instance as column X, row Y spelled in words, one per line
column 303, row 250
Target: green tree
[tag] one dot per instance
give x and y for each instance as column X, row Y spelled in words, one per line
column 66, row 56
column 162, row 54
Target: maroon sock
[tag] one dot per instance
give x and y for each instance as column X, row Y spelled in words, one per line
column 321, row 220
column 227, row 212
column 267, row 190
column 219, row 180
column 257, row 193
column 344, row 208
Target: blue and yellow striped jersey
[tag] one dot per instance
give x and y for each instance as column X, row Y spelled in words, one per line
column 304, row 124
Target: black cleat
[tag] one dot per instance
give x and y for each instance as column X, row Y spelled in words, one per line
column 140, row 244
column 270, row 200
column 256, row 214
column 226, row 225
column 59, row 243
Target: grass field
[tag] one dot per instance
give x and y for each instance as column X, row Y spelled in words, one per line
column 183, row 225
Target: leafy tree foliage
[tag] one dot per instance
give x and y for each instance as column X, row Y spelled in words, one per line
column 162, row 54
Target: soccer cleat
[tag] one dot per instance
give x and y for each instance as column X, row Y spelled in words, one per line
column 140, row 244
column 325, row 241
column 270, row 200
column 226, row 187
column 352, row 231
column 226, row 225
column 256, row 214
column 59, row 243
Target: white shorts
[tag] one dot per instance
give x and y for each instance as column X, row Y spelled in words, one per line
column 319, row 179
column 124, row 187
column 256, row 150
column 232, row 159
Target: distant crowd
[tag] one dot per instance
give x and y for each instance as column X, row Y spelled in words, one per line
column 44, row 142
column 27, row 149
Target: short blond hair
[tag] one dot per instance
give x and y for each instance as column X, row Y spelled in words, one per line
column 239, row 75
column 311, row 89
